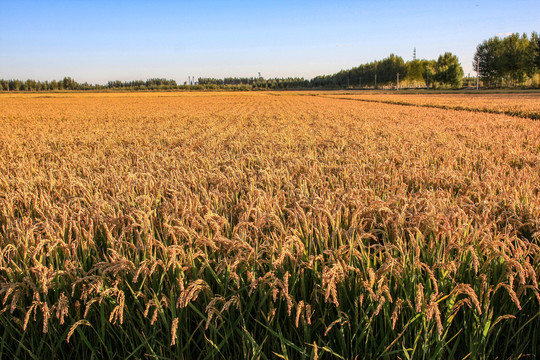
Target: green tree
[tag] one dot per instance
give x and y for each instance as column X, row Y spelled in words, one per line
column 389, row 67
column 516, row 58
column 487, row 61
column 508, row 61
column 448, row 70
column 415, row 70
column 535, row 50
column 428, row 71
column 30, row 85
column 15, row 85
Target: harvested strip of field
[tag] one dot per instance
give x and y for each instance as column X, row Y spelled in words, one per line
column 249, row 225
column 521, row 105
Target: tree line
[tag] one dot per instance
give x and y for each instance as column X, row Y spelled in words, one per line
column 154, row 83
column 256, row 83
column 67, row 83
column 229, row 83
column 510, row 61
column 446, row 71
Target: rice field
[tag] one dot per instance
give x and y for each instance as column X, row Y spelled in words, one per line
column 267, row 225
column 520, row 104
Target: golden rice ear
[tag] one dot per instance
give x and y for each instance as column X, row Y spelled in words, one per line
column 396, row 312
column 74, row 327
column 174, row 327
column 419, row 298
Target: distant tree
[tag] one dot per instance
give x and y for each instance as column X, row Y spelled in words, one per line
column 15, row 85
column 389, row 67
column 448, row 70
column 535, row 45
column 508, row 61
column 30, row 85
column 516, row 58
column 415, row 70
column 421, row 70
column 68, row 84
column 487, row 60
column 428, row 71
column 114, row 84
column 535, row 50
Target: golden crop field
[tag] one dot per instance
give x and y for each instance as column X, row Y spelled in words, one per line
column 517, row 104
column 266, row 225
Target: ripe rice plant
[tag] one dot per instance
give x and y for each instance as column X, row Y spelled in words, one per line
column 265, row 225
column 522, row 104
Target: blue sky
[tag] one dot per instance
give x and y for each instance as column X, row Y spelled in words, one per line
column 96, row 41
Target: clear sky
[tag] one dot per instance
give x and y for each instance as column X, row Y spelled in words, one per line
column 97, row 41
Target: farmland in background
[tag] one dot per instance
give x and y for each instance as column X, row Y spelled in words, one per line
column 268, row 225
column 516, row 104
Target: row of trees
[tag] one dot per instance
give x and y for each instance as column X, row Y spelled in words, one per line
column 446, row 71
column 157, row 84
column 68, row 83
column 256, row 83
column 154, row 83
column 509, row 61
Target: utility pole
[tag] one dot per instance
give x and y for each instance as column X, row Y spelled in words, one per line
column 397, row 82
column 477, row 72
column 375, row 81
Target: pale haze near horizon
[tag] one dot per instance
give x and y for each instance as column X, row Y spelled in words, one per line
column 98, row 41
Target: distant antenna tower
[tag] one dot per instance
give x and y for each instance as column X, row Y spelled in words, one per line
column 414, row 54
